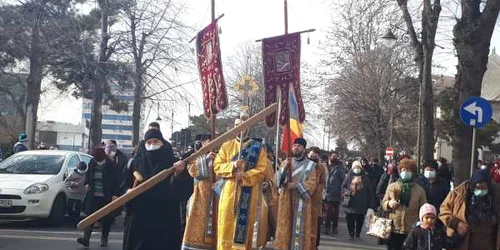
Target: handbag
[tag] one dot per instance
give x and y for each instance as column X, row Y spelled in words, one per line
column 380, row 227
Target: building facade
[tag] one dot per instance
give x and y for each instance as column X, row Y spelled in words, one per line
column 115, row 125
column 65, row 136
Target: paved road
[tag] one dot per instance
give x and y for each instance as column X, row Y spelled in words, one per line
column 27, row 236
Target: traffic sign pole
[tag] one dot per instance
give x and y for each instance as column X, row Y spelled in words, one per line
column 473, row 151
column 475, row 112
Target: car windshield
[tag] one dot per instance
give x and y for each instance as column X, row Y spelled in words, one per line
column 32, row 164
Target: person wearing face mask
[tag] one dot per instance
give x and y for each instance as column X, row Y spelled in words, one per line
column 296, row 192
column 102, row 185
column 436, row 188
column 75, row 183
column 429, row 234
column 471, row 209
column 240, row 167
column 402, row 200
column 317, row 196
column 358, row 187
column 153, row 219
column 118, row 157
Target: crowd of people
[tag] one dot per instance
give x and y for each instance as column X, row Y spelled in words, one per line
column 241, row 197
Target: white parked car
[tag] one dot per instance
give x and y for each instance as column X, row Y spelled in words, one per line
column 32, row 184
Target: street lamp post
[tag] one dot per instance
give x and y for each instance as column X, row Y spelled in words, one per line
column 158, row 119
column 389, row 41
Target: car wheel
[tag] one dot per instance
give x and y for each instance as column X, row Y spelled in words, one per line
column 56, row 217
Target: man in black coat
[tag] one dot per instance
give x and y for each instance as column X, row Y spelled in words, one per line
column 153, row 220
column 117, row 156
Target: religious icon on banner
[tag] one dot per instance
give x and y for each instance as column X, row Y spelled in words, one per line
column 210, row 67
column 281, row 63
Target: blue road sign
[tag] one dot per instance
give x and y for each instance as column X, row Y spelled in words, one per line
column 476, row 112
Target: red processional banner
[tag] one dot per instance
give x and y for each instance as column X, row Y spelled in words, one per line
column 281, row 64
column 210, row 67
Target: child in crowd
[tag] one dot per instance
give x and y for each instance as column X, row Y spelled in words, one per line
column 429, row 234
column 75, row 183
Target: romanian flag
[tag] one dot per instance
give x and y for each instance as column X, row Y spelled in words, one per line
column 295, row 130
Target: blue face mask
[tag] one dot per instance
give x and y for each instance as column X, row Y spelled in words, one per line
column 480, row 193
column 406, row 176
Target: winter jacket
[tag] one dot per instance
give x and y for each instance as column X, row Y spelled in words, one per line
column 445, row 172
column 453, row 210
column 336, row 176
column 435, row 193
column 111, row 184
column 403, row 218
column 374, row 173
column 495, row 173
column 362, row 199
column 430, row 239
column 384, row 181
column 19, row 147
column 121, row 162
column 75, row 183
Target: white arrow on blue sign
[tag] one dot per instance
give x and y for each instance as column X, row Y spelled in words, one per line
column 476, row 112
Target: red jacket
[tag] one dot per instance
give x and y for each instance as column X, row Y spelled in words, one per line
column 495, row 172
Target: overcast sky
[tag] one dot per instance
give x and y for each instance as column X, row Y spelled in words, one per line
column 247, row 21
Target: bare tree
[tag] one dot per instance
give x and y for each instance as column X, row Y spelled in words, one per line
column 423, row 45
column 155, row 42
column 472, row 36
column 247, row 61
column 370, row 90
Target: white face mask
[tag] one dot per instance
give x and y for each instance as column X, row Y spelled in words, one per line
column 112, row 154
column 430, row 174
column 152, row 147
column 483, row 167
column 356, row 170
column 81, row 171
column 406, row 176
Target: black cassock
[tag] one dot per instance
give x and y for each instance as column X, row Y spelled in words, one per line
column 153, row 219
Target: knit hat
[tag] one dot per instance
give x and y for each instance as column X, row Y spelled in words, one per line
column 426, row 209
column 300, row 141
column 23, row 137
column 99, row 154
column 431, row 163
column 409, row 164
column 479, row 176
column 153, row 133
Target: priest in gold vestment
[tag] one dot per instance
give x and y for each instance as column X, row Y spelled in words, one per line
column 238, row 188
column 295, row 228
column 200, row 225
